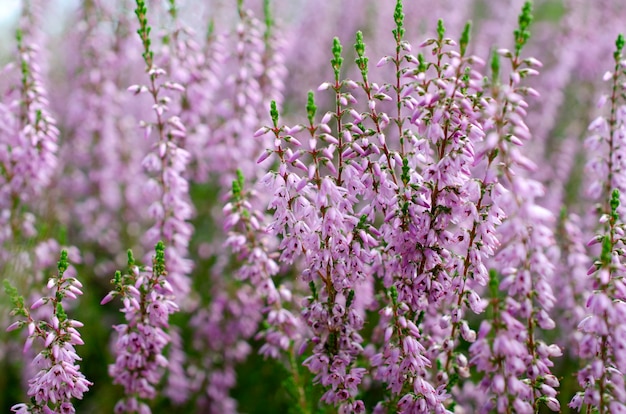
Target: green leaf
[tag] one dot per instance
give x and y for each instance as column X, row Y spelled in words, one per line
column 619, row 45
column 361, row 60
column 159, row 258
column 495, row 66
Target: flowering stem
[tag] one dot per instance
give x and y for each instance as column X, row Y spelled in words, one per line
column 398, row 34
column 336, row 62
column 609, row 185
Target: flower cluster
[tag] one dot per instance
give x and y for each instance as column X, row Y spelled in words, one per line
column 167, row 161
column 147, row 299
column 100, row 137
column 58, row 379
column 28, row 138
column 410, row 193
column 603, row 329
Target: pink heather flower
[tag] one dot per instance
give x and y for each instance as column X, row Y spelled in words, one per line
column 167, row 163
column 147, row 303
column 314, row 213
column 178, row 387
column 28, row 136
column 603, row 330
column 100, row 157
column 250, row 73
column 58, row 378
column 38, row 132
column 240, row 81
column 222, row 330
column 572, row 295
column 526, row 236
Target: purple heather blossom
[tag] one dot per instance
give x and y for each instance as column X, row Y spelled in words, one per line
column 523, row 359
column 147, row 299
column 58, row 378
column 166, row 163
column 603, row 330
column 244, row 71
column 197, row 68
column 28, row 135
column 572, row 295
column 100, row 156
column 314, row 214
column 253, row 72
column 223, row 330
column 248, row 240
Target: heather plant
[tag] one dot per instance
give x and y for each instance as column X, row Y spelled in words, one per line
column 147, row 298
column 59, row 379
column 430, row 231
column 105, row 211
column 410, row 174
column 30, row 142
column 602, row 379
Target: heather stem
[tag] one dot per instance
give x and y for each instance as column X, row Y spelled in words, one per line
column 362, row 64
column 299, row 383
column 398, row 34
column 609, row 184
column 336, row 63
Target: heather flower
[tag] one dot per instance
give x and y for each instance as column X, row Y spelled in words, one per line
column 223, row 330
column 243, row 70
column 313, row 213
column 601, row 345
column 603, row 329
column 572, row 295
column 28, row 137
column 167, row 161
column 38, row 132
column 508, row 349
column 404, row 182
column 248, row 77
column 147, row 299
column 58, row 379
column 250, row 243
column 100, row 156
column 192, row 66
column 226, row 324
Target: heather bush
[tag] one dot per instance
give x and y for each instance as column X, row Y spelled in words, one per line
column 314, row 207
